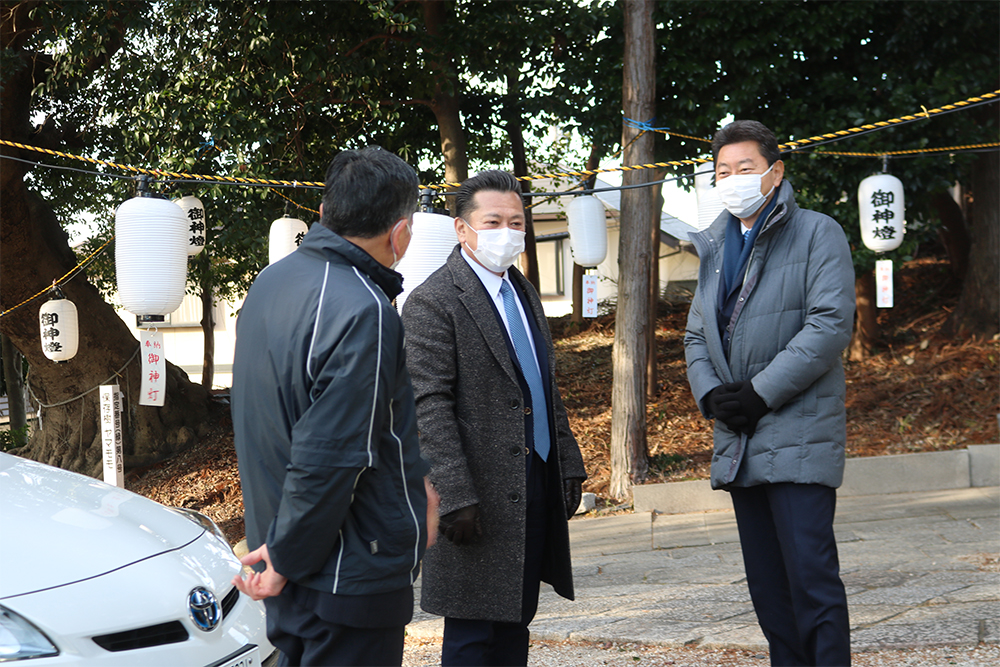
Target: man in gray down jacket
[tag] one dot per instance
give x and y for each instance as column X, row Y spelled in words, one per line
column 337, row 511
column 770, row 317
column 495, row 430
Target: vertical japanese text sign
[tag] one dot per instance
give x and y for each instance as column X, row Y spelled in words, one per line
column 589, row 295
column 111, row 434
column 883, row 283
column 154, row 368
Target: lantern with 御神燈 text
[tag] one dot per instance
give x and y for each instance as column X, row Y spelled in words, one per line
column 285, row 236
column 881, row 207
column 194, row 211
column 59, row 325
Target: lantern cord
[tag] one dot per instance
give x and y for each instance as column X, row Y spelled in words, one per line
column 293, row 203
column 791, row 146
column 76, row 398
column 65, row 279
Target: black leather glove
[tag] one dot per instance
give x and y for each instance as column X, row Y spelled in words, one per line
column 459, row 526
column 712, row 402
column 573, row 488
column 740, row 407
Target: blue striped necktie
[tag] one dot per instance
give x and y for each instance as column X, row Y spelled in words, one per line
column 529, row 368
column 746, row 235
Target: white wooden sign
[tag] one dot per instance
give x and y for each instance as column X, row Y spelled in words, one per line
column 111, row 434
column 883, row 283
column 154, row 368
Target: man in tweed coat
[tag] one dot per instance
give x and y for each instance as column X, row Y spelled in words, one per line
column 502, row 456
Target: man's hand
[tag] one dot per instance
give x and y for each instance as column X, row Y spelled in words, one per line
column 573, row 488
column 433, row 503
column 459, row 526
column 260, row 585
column 738, row 406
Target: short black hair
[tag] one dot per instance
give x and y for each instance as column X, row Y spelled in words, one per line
column 493, row 180
column 367, row 191
column 747, row 130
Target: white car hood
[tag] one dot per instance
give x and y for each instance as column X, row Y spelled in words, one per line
column 58, row 527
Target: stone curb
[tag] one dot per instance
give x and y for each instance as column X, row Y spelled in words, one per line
column 974, row 466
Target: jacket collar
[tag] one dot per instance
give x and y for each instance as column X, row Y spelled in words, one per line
column 325, row 244
column 784, row 206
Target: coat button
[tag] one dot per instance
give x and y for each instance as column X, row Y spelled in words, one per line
column 514, row 405
column 515, row 451
column 716, row 270
column 527, row 411
column 515, row 498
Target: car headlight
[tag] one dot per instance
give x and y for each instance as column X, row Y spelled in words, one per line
column 204, row 522
column 20, row 640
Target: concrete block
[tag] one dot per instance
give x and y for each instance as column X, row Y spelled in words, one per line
column 679, row 497
column 984, row 465
column 588, row 501
column 902, row 473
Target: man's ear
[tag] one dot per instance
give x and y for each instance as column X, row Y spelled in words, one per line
column 779, row 172
column 460, row 230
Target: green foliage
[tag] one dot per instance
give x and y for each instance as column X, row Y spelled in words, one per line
column 13, row 438
column 273, row 89
column 782, row 64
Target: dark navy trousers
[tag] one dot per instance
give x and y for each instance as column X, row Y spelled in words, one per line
column 790, row 555
column 469, row 642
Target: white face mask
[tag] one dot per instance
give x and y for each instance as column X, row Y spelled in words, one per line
column 397, row 259
column 497, row 249
column 740, row 193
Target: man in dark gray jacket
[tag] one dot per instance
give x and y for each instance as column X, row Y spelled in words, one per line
column 495, row 430
column 325, row 427
column 770, row 317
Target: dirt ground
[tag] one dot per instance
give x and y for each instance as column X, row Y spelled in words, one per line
column 920, row 392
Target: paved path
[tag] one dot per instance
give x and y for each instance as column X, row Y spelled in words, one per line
column 921, row 569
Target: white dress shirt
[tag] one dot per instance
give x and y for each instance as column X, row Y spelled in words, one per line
column 492, row 282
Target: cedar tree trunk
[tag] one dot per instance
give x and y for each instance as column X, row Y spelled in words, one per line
column 628, row 395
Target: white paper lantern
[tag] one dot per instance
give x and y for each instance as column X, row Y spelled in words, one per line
column 588, row 230
column 59, row 328
column 286, row 235
column 883, row 222
column 433, row 240
column 194, row 211
column 151, row 250
column 709, row 204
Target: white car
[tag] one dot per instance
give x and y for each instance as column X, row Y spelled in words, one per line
column 91, row 574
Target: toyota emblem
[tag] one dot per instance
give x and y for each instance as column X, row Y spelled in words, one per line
column 204, row 609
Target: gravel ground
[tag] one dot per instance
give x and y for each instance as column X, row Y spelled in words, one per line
column 427, row 653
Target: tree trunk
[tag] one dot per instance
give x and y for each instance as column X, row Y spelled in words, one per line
column 953, row 233
column 865, row 320
column 628, row 396
column 520, row 161
column 208, row 332
column 15, row 389
column 652, row 381
column 445, row 104
column 34, row 251
column 577, row 315
column 978, row 309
